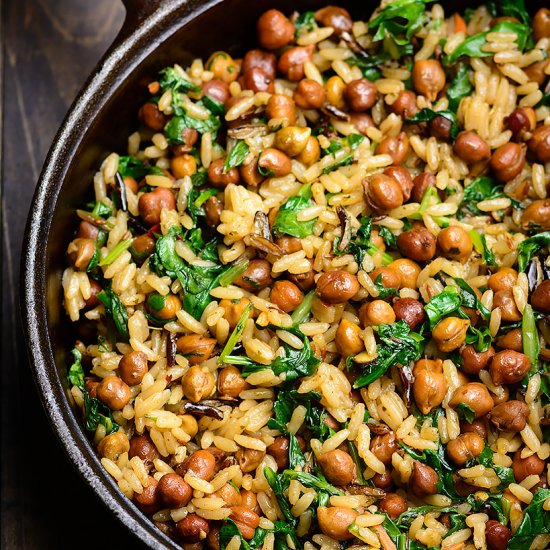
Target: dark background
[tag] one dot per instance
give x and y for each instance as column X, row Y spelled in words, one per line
column 49, row 48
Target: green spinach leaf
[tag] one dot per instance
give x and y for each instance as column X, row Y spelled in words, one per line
column 305, row 22
column 236, row 156
column 444, row 303
column 536, row 521
column 529, row 247
column 171, row 78
column 286, row 222
column 427, row 115
column 177, row 124
column 116, row 310
column 460, row 87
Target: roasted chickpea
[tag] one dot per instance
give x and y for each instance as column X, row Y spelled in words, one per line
column 188, row 138
column 80, row 252
column 281, row 106
column 163, row 307
column 537, row 71
column 292, row 140
column 395, row 146
column 95, row 289
column 334, row 521
column 465, row 447
column 335, row 87
column 421, row 183
column 291, row 63
column 213, row 538
column 389, row 277
column 213, row 209
column 403, row 177
column 274, row 162
column 383, row 447
column 233, row 310
column 428, row 78
column 114, row 393
column 455, row 243
column 249, row 459
column 362, row 122
column 230, row 382
column 508, row 161
column 113, row 445
column 424, row 479
column 540, row 299
column 220, row 178
column 525, row 467
column 418, row 244
column 348, row 338
column 304, row 281
column 539, row 144
column 476, row 427
column 382, row 192
column 541, row 24
column 197, row 383
column 201, row 464
column 429, row 389
column 274, row 30
column 393, row 505
column 510, row 416
column 522, row 120
column 309, row 94
column 377, row 312
column 142, row 247
column 151, row 204
column 504, row 299
column 440, row 127
column 266, row 61
column 222, row 66
column 192, row 528
column 511, row 340
column 133, row 367
column 256, row 276
column 150, row 115
column 405, row 104
column 184, row 165
column 476, row 396
column 196, row 347
column 230, row 495
column 250, row 174
column 87, row 230
column 174, row 492
column 286, row 296
column 337, row 287
column 336, row 17
column 409, row 310
column 497, row 535
column 471, row 148
column 216, row 89
column 148, row 501
column 408, row 270
column 450, row 333
column 311, row 152
column 473, row 361
column 509, row 367
column 246, row 520
column 142, row 447
column 279, row 451
column 360, row 94
column 189, row 424
column 383, row 481
column 288, row 245
column 504, row 279
column 537, row 215
column 257, row 80
column 338, row 467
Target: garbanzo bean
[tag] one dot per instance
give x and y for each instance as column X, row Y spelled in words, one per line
column 196, row 347
column 218, row 177
column 509, row 367
column 405, row 104
column 537, row 71
column 292, row 139
column 286, row 296
column 393, row 505
column 222, row 66
column 335, row 87
column 421, row 183
column 383, row 447
column 249, row 459
column 216, row 89
column 334, row 521
column 382, row 192
column 151, row 204
column 336, row 17
column 142, row 447
column 274, row 162
column 337, row 287
column 230, row 382
column 274, row 30
column 266, row 61
column 377, row 312
column 184, row 165
column 291, row 63
column 524, row 467
column 304, row 281
column 522, row 120
column 450, row 333
column 362, row 122
column 87, row 230
column 114, row 393
column 497, row 535
column 465, row 447
column 360, row 94
column 541, row 24
column 389, row 277
column 540, row 299
column 192, row 528
column 423, row 480
column 510, row 416
column 539, row 144
column 408, row 270
column 409, row 310
column 403, row 177
column 233, row 310
column 508, row 161
column 163, row 307
column 213, row 208
column 309, row 94
column 348, row 338
column 150, row 115
column 428, row 78
column 429, row 386
column 384, row 480
column 142, row 247
column 288, row 244
column 504, row 279
column 148, row 501
column 230, row 495
column 511, row 340
column 338, row 467
column 197, row 383
column 418, row 244
column 246, row 520
column 189, row 424
column 80, row 252
column 476, row 427
column 256, row 276
column 250, row 174
column 133, row 367
column 537, row 215
column 256, row 80
column 113, row 445
column 473, row 361
column 279, row 451
column 310, row 153
column 281, row 106
column 476, row 396
column 395, row 146
column 201, row 464
column 455, row 243
column 174, row 492
column 504, row 299
column 471, row 148
column 440, row 127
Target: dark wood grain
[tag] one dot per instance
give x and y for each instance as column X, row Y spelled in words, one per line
column 50, row 47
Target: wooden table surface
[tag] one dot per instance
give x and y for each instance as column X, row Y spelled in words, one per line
column 50, row 46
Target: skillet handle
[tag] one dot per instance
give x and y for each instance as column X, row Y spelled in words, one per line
column 136, row 12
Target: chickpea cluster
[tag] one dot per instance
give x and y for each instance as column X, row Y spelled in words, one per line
column 490, row 398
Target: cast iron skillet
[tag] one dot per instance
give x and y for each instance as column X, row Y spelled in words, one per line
column 156, row 33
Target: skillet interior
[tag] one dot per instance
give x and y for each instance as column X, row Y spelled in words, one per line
column 100, row 120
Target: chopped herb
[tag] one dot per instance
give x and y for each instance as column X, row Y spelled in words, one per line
column 369, row 65
column 465, row 412
column 460, row 87
column 481, row 189
column 236, row 334
column 301, row 313
column 175, row 127
column 116, row 310
column 116, row 252
column 344, row 161
column 312, row 481
column 171, row 78
column 513, row 8
column 286, row 221
column 444, row 303
column 383, row 292
column 129, row 166
column 480, row 338
column 196, row 199
column 235, row 271
column 390, row 239
column 506, row 475
column 536, row 521
column 427, row 115
column 529, row 247
column 470, row 299
column 305, row 22
column 236, row 156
